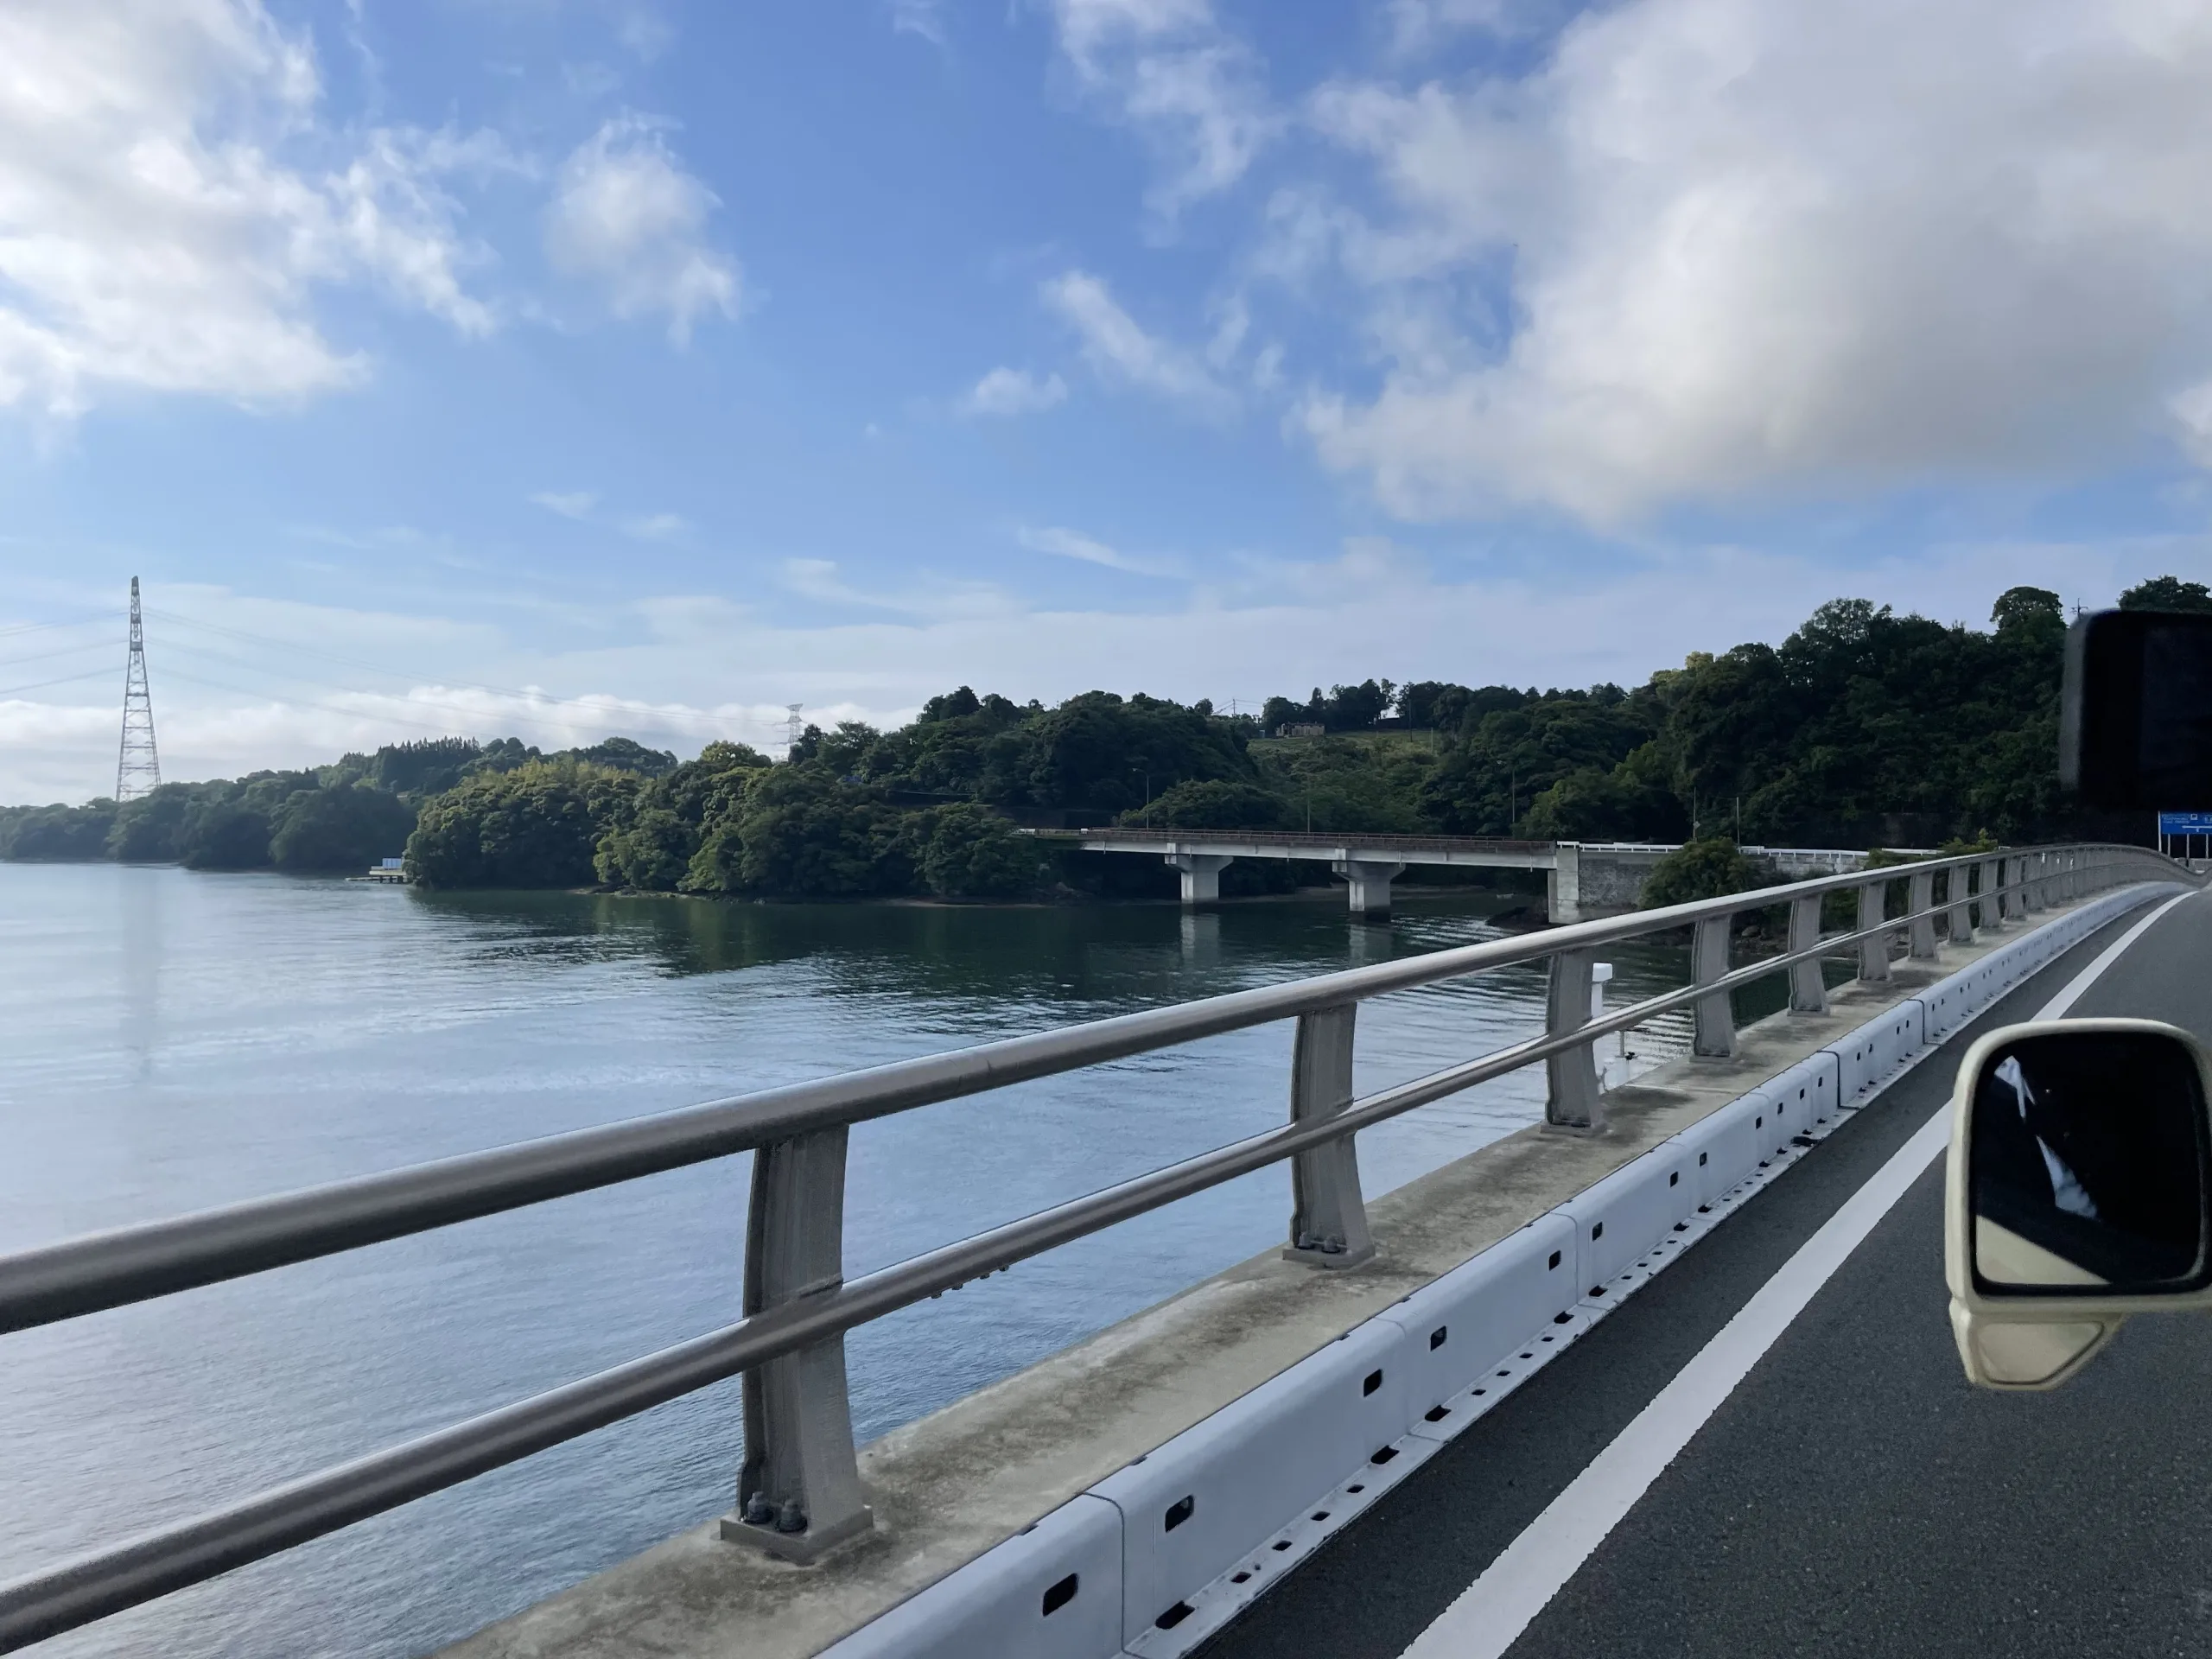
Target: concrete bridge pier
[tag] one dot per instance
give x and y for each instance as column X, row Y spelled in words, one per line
column 1201, row 874
column 1370, row 882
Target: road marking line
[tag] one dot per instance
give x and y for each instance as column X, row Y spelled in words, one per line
column 1489, row 1615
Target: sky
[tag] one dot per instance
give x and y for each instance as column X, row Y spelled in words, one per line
column 568, row 368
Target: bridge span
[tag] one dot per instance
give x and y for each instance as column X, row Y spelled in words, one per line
column 1583, row 880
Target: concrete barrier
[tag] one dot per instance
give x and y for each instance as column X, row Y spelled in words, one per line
column 1216, row 1516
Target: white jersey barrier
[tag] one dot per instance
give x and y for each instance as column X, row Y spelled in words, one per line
column 1160, row 1554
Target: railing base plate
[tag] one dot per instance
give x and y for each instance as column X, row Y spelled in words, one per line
column 801, row 1547
column 1334, row 1261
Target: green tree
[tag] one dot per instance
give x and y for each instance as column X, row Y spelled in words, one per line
column 973, row 853
column 1214, row 803
column 57, row 832
column 1702, row 869
column 428, row 767
column 804, row 836
column 150, row 829
column 346, row 828
column 537, row 826
column 222, row 832
column 2167, row 594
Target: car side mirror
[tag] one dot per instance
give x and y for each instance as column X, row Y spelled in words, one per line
column 2079, row 1191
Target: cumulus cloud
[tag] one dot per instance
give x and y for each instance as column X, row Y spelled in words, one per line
column 1014, row 391
column 1732, row 246
column 626, row 217
column 1171, row 72
column 1119, row 348
column 153, row 233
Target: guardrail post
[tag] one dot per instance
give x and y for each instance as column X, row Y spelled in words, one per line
column 1328, row 1215
column 1571, row 1100
column 1714, row 1034
column 1874, row 910
column 1920, row 900
column 800, row 1490
column 1807, row 993
column 2036, row 870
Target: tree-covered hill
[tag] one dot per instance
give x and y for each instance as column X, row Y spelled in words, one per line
column 1863, row 727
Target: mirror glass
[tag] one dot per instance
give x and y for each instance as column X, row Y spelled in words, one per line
column 2087, row 1169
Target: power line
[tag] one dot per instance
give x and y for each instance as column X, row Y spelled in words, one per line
column 65, row 679
column 41, row 627
column 536, row 697
column 472, row 716
column 66, row 650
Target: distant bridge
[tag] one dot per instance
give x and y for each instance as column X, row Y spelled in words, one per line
column 1582, row 878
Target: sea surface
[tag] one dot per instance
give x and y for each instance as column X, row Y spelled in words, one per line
column 170, row 1040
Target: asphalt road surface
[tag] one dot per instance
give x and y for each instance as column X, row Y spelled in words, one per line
column 1853, row 1495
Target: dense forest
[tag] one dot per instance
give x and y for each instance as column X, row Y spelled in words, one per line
column 1863, row 727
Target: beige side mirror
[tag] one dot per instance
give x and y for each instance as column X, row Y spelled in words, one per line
column 2078, row 1192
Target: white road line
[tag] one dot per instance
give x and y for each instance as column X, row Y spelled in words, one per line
column 1489, row 1615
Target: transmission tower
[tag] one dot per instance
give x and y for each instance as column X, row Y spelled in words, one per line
column 796, row 729
column 137, row 767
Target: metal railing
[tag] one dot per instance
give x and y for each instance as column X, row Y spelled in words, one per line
column 798, row 1489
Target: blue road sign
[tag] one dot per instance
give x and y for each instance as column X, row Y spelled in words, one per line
column 2185, row 823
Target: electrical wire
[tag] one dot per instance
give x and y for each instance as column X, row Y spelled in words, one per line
column 67, row 679
column 66, row 650
column 465, row 710
column 536, row 698
column 475, row 717
column 392, row 673
column 82, row 621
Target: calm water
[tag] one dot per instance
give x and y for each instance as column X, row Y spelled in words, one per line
column 174, row 1040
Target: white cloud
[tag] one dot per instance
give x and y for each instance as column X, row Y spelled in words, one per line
column 1014, row 391
column 1190, row 89
column 1115, row 345
column 627, row 216
column 822, row 580
column 569, row 504
column 922, row 17
column 1761, row 245
column 656, row 526
column 1073, row 544
column 153, row 234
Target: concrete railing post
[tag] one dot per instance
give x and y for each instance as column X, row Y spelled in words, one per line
column 1874, row 910
column 1713, row 1035
column 1572, row 1099
column 1988, row 915
column 2033, row 899
column 1961, row 909
column 1328, row 1215
column 1807, row 992
column 800, row 1490
column 1920, row 901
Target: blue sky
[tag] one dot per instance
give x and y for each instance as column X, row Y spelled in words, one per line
column 560, row 368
